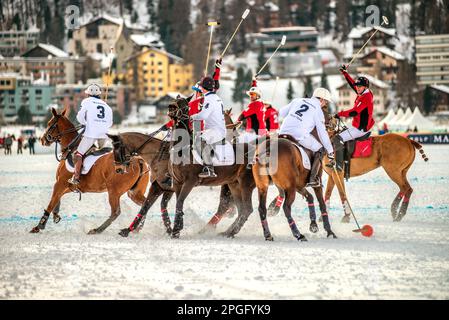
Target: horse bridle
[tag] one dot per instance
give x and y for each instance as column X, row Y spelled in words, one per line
column 57, row 138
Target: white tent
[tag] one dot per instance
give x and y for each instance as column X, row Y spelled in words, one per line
column 419, row 121
column 398, row 116
column 404, row 119
column 387, row 119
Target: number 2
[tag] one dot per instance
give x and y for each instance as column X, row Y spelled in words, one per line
column 101, row 114
column 302, row 109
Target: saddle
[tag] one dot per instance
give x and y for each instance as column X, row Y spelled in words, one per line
column 304, row 151
column 93, row 153
column 357, row 148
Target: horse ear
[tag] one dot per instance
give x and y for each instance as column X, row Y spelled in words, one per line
column 64, row 111
column 189, row 98
column 113, row 137
column 178, row 96
column 53, row 110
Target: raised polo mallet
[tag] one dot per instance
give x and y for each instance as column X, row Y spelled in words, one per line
column 284, row 39
column 384, row 21
column 109, row 74
column 211, row 24
column 244, row 15
column 366, row 230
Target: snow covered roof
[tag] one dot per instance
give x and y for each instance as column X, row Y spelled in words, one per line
column 441, row 88
column 146, row 39
column 50, row 49
column 387, row 51
column 114, row 20
column 170, row 55
column 271, row 6
column 294, row 28
column 360, row 31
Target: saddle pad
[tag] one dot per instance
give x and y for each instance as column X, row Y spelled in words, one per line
column 304, row 156
column 88, row 163
column 363, row 149
column 223, row 155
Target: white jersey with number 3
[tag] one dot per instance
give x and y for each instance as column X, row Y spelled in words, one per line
column 96, row 115
column 301, row 116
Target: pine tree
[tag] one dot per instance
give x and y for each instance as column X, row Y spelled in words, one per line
column 324, row 82
column 239, row 86
column 290, row 91
column 24, row 115
column 116, row 117
column 308, row 87
column 152, row 13
column 261, row 61
column 128, row 5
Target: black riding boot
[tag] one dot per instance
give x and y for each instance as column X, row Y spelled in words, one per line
column 208, row 169
column 315, row 180
column 339, row 148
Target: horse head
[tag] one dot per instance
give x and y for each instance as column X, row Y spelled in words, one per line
column 56, row 127
column 178, row 109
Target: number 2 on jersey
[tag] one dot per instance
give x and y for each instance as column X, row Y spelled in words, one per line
column 301, row 110
column 101, row 114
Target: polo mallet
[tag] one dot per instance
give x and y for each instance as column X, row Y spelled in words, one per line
column 367, row 230
column 109, row 74
column 384, row 21
column 244, row 15
column 284, row 39
column 211, row 24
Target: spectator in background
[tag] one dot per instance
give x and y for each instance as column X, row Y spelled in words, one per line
column 416, row 129
column 20, row 145
column 8, row 144
column 385, row 128
column 31, row 142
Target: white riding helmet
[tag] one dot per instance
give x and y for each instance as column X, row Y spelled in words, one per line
column 323, row 94
column 255, row 90
column 93, row 90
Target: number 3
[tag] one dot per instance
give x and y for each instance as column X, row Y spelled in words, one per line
column 101, row 114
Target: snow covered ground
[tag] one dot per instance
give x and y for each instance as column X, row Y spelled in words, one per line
column 407, row 260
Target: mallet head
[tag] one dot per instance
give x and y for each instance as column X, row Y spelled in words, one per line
column 385, row 20
column 245, row 14
column 212, row 23
column 284, row 39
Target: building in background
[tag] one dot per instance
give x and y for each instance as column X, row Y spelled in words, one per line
column 441, row 97
column 17, row 91
column 57, row 64
column 379, row 88
column 154, row 72
column 432, row 59
column 69, row 96
column 15, row 42
column 382, row 63
column 385, row 37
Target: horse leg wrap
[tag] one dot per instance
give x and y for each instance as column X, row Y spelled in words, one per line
column 43, row 220
column 279, row 201
column 136, row 222
column 266, row 230
column 294, row 228
column 312, row 212
column 179, row 223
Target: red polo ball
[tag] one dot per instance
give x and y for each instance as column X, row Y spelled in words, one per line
column 367, row 230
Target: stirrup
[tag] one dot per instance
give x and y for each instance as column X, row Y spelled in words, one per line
column 207, row 173
column 74, row 181
column 314, row 184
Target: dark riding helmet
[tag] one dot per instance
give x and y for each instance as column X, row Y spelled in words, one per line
column 362, row 81
column 208, row 83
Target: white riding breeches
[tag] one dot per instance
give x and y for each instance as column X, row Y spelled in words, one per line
column 351, row 133
column 212, row 136
column 87, row 142
column 309, row 142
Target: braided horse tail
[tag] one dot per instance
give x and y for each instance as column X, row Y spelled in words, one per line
column 419, row 147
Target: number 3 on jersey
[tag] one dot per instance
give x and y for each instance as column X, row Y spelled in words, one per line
column 301, row 110
column 101, row 114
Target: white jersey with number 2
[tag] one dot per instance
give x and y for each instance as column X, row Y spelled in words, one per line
column 301, row 116
column 96, row 115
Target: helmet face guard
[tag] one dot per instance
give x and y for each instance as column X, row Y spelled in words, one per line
column 362, row 81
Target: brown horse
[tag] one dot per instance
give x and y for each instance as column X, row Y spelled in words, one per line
column 392, row 152
column 287, row 174
column 101, row 178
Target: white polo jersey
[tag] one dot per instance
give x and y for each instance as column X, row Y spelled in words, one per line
column 96, row 115
column 213, row 114
column 301, row 116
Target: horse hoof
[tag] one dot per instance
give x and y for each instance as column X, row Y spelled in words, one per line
column 302, row 238
column 93, row 231
column 175, row 235
column 270, row 238
column 35, row 230
column 56, row 218
column 313, row 227
column 331, row 234
column 124, row 233
column 345, row 219
column 169, row 231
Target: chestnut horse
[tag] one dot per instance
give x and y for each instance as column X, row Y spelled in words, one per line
column 289, row 175
column 102, row 177
column 392, row 152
